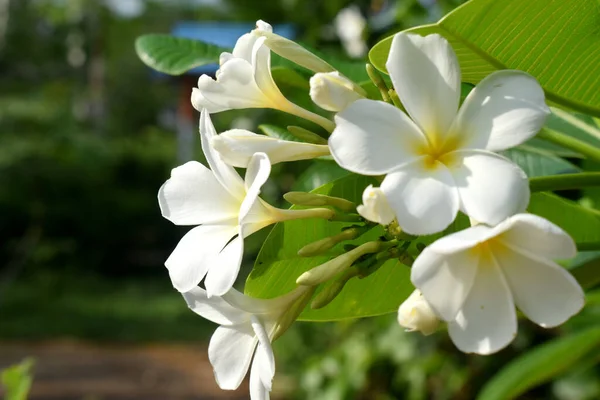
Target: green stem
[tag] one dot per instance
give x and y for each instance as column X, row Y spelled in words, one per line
column 569, row 142
column 564, row 181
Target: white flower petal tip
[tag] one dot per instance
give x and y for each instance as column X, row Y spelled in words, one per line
column 237, row 146
column 415, row 314
column 473, row 279
column 440, row 159
column 375, row 206
column 332, row 91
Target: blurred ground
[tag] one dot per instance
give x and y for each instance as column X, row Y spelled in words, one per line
column 71, row 370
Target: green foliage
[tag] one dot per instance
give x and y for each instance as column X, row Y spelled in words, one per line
column 174, row 55
column 17, row 380
column 555, row 41
column 539, row 162
column 541, row 364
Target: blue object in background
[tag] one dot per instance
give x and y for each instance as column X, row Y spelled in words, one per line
column 223, row 34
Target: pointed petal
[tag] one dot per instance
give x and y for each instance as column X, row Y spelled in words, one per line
column 193, row 196
column 230, row 351
column 374, row 138
column 426, row 76
column 214, row 308
column 538, row 236
column 491, row 188
column 504, row 110
column 445, row 280
column 196, row 253
column 237, row 146
column 546, row 293
column 487, row 321
column 258, row 390
column 225, row 268
column 263, row 358
column 224, row 173
column 423, row 197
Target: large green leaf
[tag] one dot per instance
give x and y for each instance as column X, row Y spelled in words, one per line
column 538, row 162
column 173, row 55
column 557, row 41
column 320, row 173
column 278, row 264
column 540, row 365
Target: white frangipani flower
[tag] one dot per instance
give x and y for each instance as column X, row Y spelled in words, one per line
column 442, row 159
column 227, row 209
column 474, row 278
column 375, row 206
column 248, row 326
column 244, row 80
column 415, row 314
column 237, row 146
column 333, row 92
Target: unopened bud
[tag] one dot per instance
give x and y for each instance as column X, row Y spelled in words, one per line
column 415, row 314
column 323, row 245
column 332, row 91
column 292, row 313
column 318, row 200
column 330, row 292
column 305, row 135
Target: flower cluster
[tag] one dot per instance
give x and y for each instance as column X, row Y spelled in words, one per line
column 433, row 157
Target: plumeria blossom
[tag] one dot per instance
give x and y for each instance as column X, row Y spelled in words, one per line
column 333, row 92
column 415, row 314
column 244, row 80
column 375, row 206
column 237, row 146
column 248, row 326
column 441, row 159
column 226, row 208
column 473, row 279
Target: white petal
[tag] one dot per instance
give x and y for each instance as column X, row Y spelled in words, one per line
column 199, row 102
column 487, row 321
column 491, row 188
column 332, row 91
column 426, row 76
column 193, row 196
column 504, row 110
column 423, row 197
column 261, row 62
column 244, row 47
column 235, row 87
column 237, row 146
column 263, row 358
column 374, row 138
column 214, row 308
column 465, row 239
column 258, row 172
column 258, row 390
column 224, row 173
column 267, row 308
column 225, row 268
column 375, row 206
column 445, row 280
column 196, row 253
column 538, row 236
column 546, row 293
column 230, row 351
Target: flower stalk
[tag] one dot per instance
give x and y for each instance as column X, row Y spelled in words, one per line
column 323, row 245
column 569, row 142
column 564, row 181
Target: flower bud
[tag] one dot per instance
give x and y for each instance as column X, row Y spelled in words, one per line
column 332, row 92
column 376, row 207
column 317, row 200
column 415, row 314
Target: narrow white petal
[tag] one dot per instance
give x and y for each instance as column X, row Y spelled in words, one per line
column 426, row 76
column 539, row 236
column 225, row 174
column 445, row 280
column 261, row 63
column 375, row 206
column 264, row 358
column 237, row 146
column 252, row 209
column 504, row 110
column 258, row 390
column 225, row 268
column 423, row 197
column 546, row 293
column 491, row 188
column 230, row 352
column 195, row 253
column 374, row 138
column 193, row 196
column 487, row 321
column 199, row 102
column 214, row 308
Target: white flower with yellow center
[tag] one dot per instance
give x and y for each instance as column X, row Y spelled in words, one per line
column 441, row 160
column 473, row 279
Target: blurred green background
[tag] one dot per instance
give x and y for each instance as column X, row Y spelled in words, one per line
column 87, row 136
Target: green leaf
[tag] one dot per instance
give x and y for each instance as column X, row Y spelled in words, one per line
column 16, row 380
column 556, row 41
column 540, row 365
column 583, row 224
column 320, row 173
column 278, row 265
column 277, row 132
column 289, row 77
column 174, row 55
column 538, row 162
